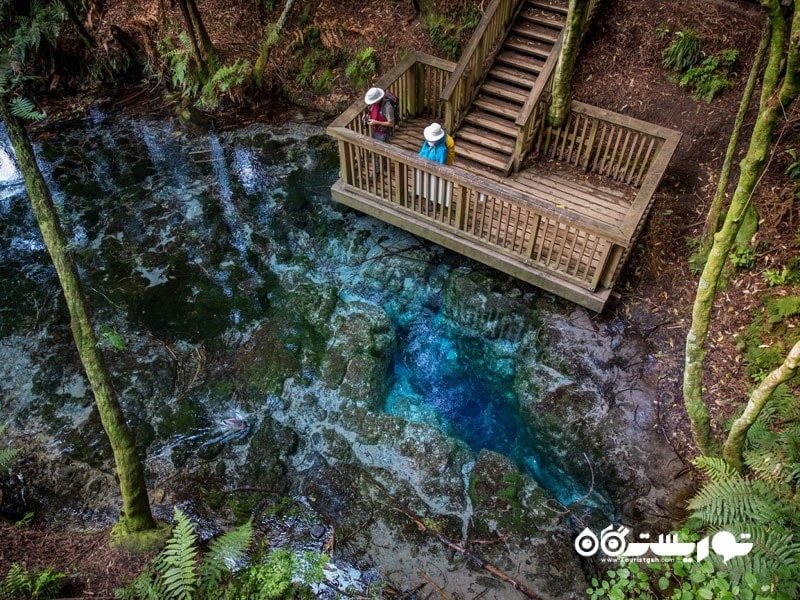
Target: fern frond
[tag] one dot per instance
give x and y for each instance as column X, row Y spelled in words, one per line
column 17, row 582
column 224, row 554
column 736, row 500
column 177, row 562
column 716, row 469
column 24, row 109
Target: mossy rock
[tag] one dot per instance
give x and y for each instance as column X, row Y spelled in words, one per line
column 358, row 361
column 503, row 499
column 270, row 448
column 492, row 307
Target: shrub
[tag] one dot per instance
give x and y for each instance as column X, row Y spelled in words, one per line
column 21, row 583
column 684, row 52
column 362, row 67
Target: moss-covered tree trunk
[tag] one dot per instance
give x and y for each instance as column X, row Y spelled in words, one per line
column 773, row 108
column 734, row 444
column 136, row 515
column 562, row 88
column 204, row 52
column 199, row 27
column 714, row 215
column 271, row 37
column 72, row 13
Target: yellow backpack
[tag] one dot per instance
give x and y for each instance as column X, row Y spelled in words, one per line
column 451, row 149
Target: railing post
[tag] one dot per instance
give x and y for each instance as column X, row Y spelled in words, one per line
column 461, row 211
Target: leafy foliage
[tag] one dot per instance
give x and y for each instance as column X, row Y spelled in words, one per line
column 7, row 455
column 706, row 76
column 280, row 573
column 684, row 52
column 789, row 274
column 710, row 77
column 362, row 67
column 774, row 329
column 448, row 30
column 227, row 81
column 21, row 583
column 182, row 572
column 177, row 573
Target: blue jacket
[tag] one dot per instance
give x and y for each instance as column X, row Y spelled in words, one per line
column 437, row 152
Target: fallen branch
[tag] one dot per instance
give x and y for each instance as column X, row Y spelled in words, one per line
column 474, row 558
column 430, row 581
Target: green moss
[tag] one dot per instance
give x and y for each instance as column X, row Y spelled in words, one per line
column 773, row 330
column 242, row 506
column 140, row 542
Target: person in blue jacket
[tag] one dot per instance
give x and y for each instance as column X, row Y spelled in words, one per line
column 434, row 147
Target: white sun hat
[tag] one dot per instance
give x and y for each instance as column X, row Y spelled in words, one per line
column 373, row 95
column 434, row 132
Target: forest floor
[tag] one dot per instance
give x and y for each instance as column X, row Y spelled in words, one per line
column 620, row 69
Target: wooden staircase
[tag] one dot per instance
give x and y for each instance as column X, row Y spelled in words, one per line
column 488, row 133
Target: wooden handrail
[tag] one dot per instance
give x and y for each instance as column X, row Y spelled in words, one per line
column 491, row 30
column 387, row 81
column 543, row 81
column 480, row 184
column 472, row 47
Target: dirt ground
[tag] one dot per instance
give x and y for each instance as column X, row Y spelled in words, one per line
column 619, row 69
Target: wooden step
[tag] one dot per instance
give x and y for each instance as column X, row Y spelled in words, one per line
column 504, row 90
column 557, row 7
column 535, row 32
column 482, row 155
column 512, row 76
column 528, row 46
column 491, row 122
column 490, row 104
column 544, row 19
column 523, row 62
column 485, row 138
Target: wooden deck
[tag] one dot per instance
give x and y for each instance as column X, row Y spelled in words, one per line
column 561, row 212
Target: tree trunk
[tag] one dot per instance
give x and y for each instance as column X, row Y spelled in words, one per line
column 209, row 51
column 271, row 37
column 562, row 88
column 715, row 210
column 202, row 66
column 734, row 445
column 750, row 170
column 136, row 515
column 78, row 23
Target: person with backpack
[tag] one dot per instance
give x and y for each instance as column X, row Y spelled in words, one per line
column 380, row 113
column 438, row 145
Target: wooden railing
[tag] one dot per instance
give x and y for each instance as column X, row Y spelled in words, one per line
column 468, row 211
column 497, row 217
column 417, row 81
column 472, row 66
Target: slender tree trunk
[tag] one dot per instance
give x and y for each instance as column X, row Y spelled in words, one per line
column 562, row 88
column 209, row 51
column 715, row 210
column 271, row 37
column 750, row 170
column 199, row 57
column 76, row 21
column 734, row 444
column 136, row 515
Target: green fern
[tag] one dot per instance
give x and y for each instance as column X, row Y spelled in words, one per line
column 37, row 585
column 177, row 563
column 177, row 574
column 7, row 455
column 224, row 555
column 765, row 507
